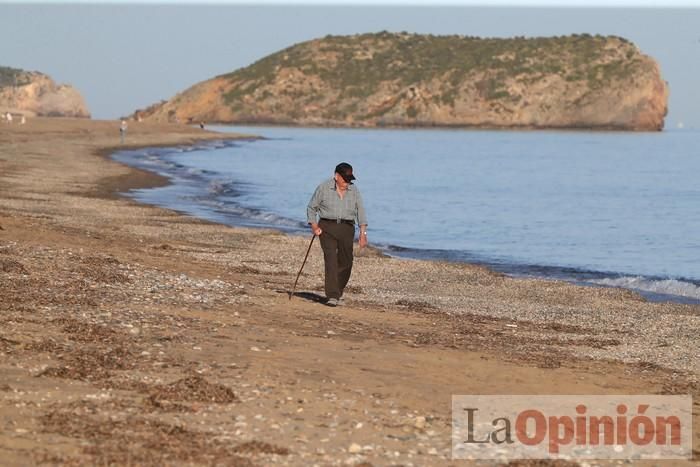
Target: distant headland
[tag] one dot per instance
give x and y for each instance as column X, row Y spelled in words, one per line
column 33, row 93
column 399, row 79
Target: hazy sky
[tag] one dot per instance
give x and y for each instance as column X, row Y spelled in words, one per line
column 127, row 56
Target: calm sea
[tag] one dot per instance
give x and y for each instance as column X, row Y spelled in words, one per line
column 612, row 209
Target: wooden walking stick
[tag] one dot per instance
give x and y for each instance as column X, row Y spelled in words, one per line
column 302, row 267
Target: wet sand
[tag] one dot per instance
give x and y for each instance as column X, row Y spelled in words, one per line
column 136, row 335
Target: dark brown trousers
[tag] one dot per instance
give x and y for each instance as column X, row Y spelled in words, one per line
column 336, row 242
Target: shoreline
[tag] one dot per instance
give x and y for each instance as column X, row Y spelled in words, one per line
column 438, row 126
column 127, row 325
column 569, row 274
column 145, row 179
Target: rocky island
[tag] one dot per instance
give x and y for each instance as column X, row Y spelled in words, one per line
column 35, row 94
column 386, row 79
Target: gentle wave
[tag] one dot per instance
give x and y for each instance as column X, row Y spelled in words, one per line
column 252, row 217
column 221, row 187
column 653, row 288
column 674, row 287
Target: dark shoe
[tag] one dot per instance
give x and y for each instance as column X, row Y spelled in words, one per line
column 332, row 302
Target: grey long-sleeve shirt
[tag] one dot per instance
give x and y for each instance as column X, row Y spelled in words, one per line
column 327, row 204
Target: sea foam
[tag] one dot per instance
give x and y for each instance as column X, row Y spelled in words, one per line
column 658, row 286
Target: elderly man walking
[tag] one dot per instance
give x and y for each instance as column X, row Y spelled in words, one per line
column 335, row 207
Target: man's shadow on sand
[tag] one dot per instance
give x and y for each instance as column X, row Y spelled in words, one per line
column 308, row 296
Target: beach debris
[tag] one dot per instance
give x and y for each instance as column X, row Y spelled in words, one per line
column 420, row 423
column 415, row 305
column 12, row 266
column 355, row 448
column 260, row 447
column 167, row 443
column 194, row 389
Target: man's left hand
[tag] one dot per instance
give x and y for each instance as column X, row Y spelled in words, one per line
column 363, row 239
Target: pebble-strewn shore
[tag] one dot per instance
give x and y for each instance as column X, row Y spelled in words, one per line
column 134, row 335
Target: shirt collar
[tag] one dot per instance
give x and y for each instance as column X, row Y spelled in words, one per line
column 332, row 185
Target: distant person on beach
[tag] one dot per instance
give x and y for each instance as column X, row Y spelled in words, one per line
column 332, row 212
column 201, row 125
column 9, row 117
column 23, row 120
column 122, row 131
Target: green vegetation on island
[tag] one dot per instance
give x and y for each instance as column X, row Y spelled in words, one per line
column 398, row 79
column 361, row 63
column 12, row 77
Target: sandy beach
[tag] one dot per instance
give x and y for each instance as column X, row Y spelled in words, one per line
column 134, row 335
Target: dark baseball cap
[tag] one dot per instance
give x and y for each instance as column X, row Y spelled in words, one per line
column 345, row 171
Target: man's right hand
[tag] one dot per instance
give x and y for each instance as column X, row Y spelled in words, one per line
column 316, row 230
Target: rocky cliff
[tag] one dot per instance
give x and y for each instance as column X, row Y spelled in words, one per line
column 34, row 93
column 386, row 79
